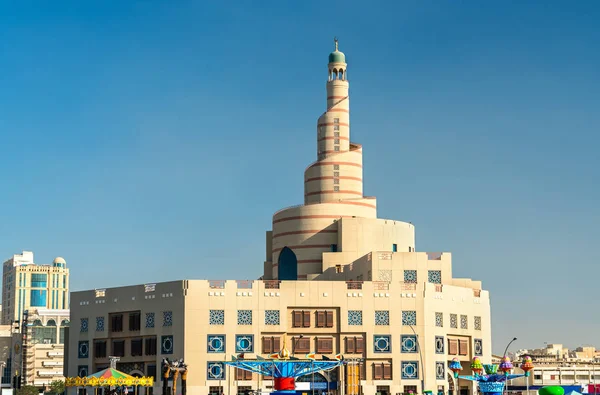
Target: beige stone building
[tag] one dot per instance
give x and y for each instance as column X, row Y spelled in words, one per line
column 336, row 279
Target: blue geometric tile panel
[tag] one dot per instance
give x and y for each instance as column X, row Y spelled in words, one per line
column 84, row 349
column 99, row 324
column 167, row 318
column 434, row 276
column 149, row 320
column 440, row 370
column 382, row 344
column 216, row 344
column 478, row 347
column 439, row 344
column 272, row 317
column 355, row 317
column 84, row 325
column 82, row 370
column 166, row 344
column 409, row 370
column 410, row 276
column 409, row 317
column 382, row 317
column 217, row 317
column 409, row 343
column 439, row 320
column 244, row 317
column 215, row 371
column 244, row 343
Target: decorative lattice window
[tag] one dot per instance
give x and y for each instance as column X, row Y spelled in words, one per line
column 464, row 322
column 244, row 317
column 355, row 317
column 410, row 276
column 439, row 320
column 216, row 317
column 453, row 321
column 272, row 317
column 434, row 276
column 382, row 317
column 409, row 318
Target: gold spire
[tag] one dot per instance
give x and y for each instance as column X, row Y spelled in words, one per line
column 284, row 353
column 335, row 40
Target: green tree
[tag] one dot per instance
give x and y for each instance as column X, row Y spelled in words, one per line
column 28, row 390
column 57, row 387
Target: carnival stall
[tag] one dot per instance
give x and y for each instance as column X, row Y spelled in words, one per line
column 110, row 378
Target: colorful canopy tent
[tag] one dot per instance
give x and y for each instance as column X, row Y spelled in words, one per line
column 110, row 372
column 109, row 377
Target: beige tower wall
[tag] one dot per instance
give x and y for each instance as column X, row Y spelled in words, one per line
column 311, row 230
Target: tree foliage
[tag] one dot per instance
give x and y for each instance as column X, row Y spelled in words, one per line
column 28, row 390
column 57, row 387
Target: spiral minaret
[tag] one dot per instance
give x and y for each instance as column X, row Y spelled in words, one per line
column 333, row 189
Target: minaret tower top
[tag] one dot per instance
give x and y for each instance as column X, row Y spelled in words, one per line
column 337, row 64
column 337, row 56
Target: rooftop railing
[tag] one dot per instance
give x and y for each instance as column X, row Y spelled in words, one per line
column 244, row 284
column 271, row 284
column 354, row 284
column 216, row 284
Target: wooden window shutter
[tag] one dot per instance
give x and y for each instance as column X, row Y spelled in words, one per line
column 350, row 345
column 387, row 371
column 377, row 371
column 329, row 345
column 320, row 345
column 306, row 319
column 452, row 347
column 320, row 319
column 247, row 375
column 463, row 347
column 362, row 371
column 276, row 344
column 329, row 319
column 239, row 374
column 324, row 345
column 267, row 344
column 297, row 319
column 360, row 344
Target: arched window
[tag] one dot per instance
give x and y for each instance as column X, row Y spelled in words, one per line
column 37, row 323
column 287, row 265
column 341, row 75
column 51, row 323
column 64, row 323
column 335, row 73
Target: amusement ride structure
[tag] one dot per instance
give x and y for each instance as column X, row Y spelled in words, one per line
column 285, row 369
column 489, row 380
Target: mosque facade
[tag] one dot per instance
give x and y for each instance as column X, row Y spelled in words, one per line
column 336, row 280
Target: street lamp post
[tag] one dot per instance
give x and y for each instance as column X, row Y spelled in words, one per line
column 421, row 359
column 504, row 355
column 296, row 343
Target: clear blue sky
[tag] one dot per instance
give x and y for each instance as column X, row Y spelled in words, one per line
column 153, row 140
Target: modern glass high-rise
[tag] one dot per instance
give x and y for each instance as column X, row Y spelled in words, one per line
column 26, row 286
